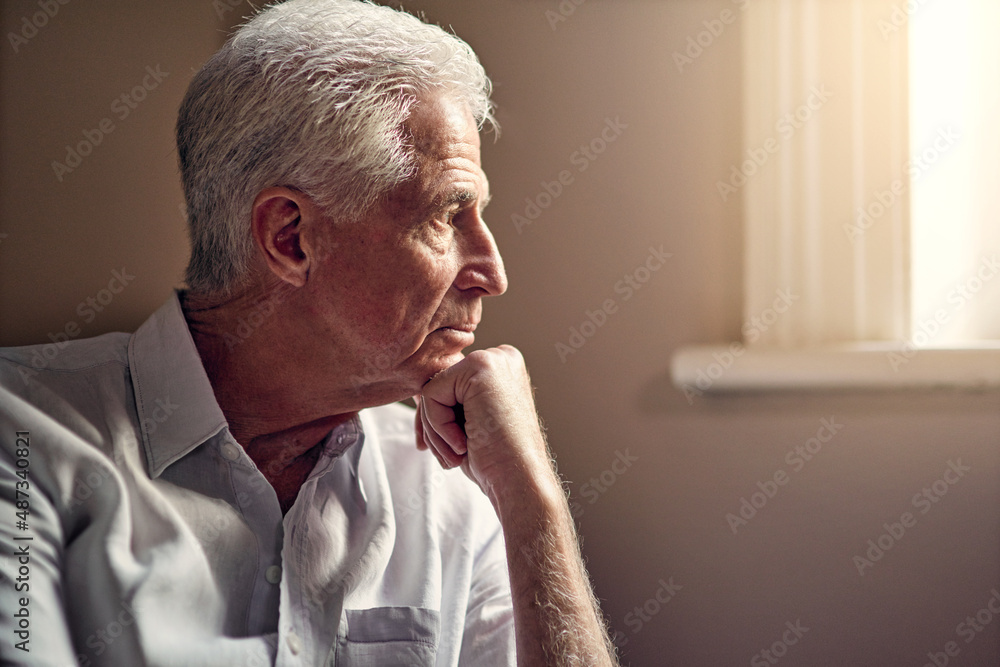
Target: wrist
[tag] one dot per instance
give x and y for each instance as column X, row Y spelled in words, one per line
column 529, row 498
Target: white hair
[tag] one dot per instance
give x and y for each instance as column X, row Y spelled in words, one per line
column 312, row 95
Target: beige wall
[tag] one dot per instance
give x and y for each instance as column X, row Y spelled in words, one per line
column 664, row 516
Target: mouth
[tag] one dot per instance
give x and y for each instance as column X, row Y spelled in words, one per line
column 460, row 335
column 467, row 327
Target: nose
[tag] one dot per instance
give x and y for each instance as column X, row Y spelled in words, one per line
column 482, row 266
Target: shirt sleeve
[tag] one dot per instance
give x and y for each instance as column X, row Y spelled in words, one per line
column 33, row 625
column 489, row 625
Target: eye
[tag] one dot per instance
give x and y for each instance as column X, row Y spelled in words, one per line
column 447, row 218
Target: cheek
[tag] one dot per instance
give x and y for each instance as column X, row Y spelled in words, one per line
column 392, row 313
column 388, row 296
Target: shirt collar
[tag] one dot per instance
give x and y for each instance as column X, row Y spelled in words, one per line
column 174, row 400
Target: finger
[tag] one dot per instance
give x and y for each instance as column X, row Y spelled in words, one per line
column 441, row 449
column 444, row 419
column 445, row 454
column 418, row 425
column 424, row 433
column 444, row 411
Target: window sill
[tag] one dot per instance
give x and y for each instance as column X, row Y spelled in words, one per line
column 727, row 368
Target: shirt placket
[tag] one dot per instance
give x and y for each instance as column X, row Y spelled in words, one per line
column 312, row 600
column 260, row 509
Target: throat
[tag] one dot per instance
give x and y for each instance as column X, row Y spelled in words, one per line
column 288, row 481
column 287, row 457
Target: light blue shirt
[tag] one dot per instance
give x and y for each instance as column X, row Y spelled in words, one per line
column 151, row 538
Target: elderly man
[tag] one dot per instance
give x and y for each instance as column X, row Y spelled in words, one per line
column 222, row 487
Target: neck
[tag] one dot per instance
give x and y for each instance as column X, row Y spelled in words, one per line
column 272, row 408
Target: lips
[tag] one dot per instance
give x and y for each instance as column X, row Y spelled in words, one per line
column 467, row 327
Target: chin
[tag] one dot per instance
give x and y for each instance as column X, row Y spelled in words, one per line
column 443, row 363
column 431, row 367
column 438, row 353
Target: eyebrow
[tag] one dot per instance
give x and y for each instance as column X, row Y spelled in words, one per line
column 463, row 196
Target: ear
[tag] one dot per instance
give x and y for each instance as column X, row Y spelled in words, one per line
column 282, row 222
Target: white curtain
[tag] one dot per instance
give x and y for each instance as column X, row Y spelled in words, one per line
column 827, row 202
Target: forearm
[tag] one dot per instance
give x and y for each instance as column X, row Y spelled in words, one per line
column 556, row 616
column 501, row 447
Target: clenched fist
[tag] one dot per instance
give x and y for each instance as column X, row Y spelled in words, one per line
column 480, row 414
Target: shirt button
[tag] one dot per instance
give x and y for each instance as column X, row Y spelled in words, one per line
column 294, row 643
column 230, row 452
column 273, row 574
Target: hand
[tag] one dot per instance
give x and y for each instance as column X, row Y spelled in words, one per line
column 480, row 414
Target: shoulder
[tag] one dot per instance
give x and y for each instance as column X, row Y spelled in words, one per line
column 68, row 391
column 62, row 365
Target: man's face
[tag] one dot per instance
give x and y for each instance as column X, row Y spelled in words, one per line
column 400, row 293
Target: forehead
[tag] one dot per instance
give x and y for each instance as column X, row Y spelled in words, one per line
column 441, row 127
column 446, row 147
column 445, row 144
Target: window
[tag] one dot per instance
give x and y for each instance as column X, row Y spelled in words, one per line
column 955, row 219
column 869, row 183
